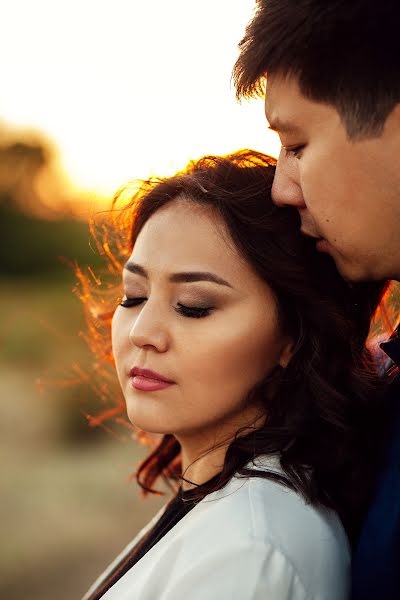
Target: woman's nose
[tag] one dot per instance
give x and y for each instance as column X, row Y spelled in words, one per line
column 149, row 329
column 286, row 188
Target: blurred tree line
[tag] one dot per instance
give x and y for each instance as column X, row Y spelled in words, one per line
column 34, row 240
column 42, row 238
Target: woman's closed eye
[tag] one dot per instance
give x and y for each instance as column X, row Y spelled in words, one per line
column 127, row 302
column 195, row 312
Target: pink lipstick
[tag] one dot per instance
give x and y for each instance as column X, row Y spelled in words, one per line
column 148, row 381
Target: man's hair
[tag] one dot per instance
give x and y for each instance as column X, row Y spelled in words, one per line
column 344, row 53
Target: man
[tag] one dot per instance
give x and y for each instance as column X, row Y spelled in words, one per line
column 332, row 93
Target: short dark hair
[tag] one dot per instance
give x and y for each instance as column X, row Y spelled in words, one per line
column 343, row 53
column 323, row 408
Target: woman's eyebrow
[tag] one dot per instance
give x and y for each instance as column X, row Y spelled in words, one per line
column 183, row 277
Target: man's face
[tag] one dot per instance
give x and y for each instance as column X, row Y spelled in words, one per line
column 347, row 192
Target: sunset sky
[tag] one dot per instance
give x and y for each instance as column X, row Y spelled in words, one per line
column 127, row 88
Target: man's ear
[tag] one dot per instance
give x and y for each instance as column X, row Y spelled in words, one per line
column 286, row 353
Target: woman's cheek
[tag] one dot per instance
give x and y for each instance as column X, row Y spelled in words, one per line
column 215, row 355
column 247, row 354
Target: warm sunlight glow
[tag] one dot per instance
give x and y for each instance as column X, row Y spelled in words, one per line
column 129, row 88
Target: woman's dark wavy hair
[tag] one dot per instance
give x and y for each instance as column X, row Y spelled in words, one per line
column 323, row 409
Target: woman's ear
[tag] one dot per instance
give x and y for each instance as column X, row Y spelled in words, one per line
column 286, row 353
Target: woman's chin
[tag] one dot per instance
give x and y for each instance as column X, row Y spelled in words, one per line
column 149, row 423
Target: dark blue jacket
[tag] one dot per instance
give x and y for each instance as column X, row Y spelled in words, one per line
column 376, row 562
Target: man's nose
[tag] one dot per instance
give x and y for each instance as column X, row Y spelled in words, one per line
column 149, row 330
column 286, row 189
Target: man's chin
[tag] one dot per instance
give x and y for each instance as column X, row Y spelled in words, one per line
column 355, row 273
column 352, row 270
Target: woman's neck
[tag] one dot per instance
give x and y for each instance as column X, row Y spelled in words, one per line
column 197, row 468
column 203, row 455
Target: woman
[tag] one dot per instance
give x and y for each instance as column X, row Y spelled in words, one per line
column 244, row 349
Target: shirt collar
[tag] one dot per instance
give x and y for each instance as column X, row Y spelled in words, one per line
column 392, row 346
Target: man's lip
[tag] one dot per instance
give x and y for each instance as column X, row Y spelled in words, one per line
column 309, row 235
column 149, row 374
column 322, row 245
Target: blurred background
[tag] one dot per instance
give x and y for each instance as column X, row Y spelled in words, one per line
column 93, row 94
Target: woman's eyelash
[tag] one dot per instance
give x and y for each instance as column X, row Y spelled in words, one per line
column 129, row 302
column 195, row 312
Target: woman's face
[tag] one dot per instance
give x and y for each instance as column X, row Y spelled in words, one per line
column 202, row 319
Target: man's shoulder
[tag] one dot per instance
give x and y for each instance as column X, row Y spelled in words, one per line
column 392, row 406
column 376, row 562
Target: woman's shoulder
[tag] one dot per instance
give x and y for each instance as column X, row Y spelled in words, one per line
column 265, row 507
column 273, row 507
column 262, row 513
column 255, row 539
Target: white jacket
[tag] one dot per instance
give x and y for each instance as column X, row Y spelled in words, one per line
column 252, row 540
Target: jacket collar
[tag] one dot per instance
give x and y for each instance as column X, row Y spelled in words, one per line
column 392, row 346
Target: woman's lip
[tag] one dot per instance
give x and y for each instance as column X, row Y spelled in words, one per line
column 148, row 385
column 138, row 371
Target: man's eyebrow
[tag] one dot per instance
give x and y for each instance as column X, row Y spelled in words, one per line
column 282, row 127
column 182, row 277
